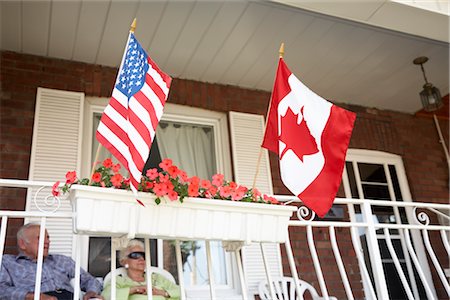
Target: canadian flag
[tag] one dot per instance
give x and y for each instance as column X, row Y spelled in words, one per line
column 311, row 137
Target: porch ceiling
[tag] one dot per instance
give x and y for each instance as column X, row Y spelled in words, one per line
column 236, row 42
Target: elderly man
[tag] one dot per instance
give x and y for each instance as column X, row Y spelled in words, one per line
column 18, row 273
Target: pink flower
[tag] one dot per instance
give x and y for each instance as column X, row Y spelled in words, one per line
column 239, row 193
column 107, row 163
column 71, row 177
column 232, row 184
column 55, row 189
column 172, row 195
column 116, row 180
column 217, row 180
column 116, row 168
column 163, row 177
column 165, row 164
column 183, row 176
column 225, row 191
column 152, row 173
column 96, row 177
column 193, row 190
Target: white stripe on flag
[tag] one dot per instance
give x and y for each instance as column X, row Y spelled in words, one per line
column 154, row 100
column 138, row 142
column 158, row 79
column 120, row 97
column 116, row 117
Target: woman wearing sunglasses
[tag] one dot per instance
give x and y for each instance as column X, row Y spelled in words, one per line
column 133, row 285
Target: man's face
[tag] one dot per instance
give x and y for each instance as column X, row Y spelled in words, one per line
column 30, row 244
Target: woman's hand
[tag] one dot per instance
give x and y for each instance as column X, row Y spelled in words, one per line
column 158, row 292
column 140, row 289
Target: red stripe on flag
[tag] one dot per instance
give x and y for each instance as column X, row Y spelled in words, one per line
column 140, row 127
column 123, row 111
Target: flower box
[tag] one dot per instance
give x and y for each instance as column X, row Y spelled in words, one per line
column 112, row 212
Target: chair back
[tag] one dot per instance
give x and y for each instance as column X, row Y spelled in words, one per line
column 122, row 271
column 284, row 288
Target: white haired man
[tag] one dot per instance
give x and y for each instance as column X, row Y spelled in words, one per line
column 18, row 272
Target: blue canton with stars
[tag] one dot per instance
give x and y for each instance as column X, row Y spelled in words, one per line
column 132, row 75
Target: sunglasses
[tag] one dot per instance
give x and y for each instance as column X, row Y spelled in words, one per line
column 136, row 255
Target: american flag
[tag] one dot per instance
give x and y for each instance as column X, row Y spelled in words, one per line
column 128, row 124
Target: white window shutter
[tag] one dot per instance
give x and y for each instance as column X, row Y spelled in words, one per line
column 56, row 149
column 247, row 131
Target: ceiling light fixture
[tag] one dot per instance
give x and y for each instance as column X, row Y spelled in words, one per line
column 432, row 101
column 430, row 95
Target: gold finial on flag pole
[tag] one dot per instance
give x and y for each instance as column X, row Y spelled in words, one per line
column 281, row 51
column 133, row 26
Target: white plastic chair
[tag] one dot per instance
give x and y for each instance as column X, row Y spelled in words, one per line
column 123, row 271
column 284, row 288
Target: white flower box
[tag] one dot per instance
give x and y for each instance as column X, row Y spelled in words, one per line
column 112, row 212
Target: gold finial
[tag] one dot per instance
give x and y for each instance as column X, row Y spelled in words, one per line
column 133, row 26
column 281, row 50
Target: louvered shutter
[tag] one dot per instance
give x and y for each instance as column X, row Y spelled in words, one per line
column 56, row 149
column 247, row 132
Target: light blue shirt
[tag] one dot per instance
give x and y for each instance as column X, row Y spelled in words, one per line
column 18, row 276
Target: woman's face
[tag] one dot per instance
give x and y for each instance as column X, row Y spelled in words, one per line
column 136, row 259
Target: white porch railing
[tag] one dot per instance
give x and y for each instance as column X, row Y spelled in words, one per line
column 413, row 243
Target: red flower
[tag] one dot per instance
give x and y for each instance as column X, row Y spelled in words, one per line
column 160, row 189
column 232, row 184
column 71, row 177
column 194, row 180
column 193, row 190
column 116, row 168
column 152, row 173
column 270, row 199
column 116, row 180
column 107, row 163
column 205, row 184
column 165, row 164
column 96, row 177
column 55, row 189
column 148, row 185
column 173, row 171
column 217, row 180
column 212, row 190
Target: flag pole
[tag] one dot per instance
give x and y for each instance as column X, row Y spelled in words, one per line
column 258, row 163
column 97, row 154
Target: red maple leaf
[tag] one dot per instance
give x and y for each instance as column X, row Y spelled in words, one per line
column 297, row 137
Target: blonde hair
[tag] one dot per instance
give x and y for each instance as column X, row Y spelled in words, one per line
column 123, row 253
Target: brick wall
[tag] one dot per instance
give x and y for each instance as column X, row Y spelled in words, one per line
column 414, row 138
